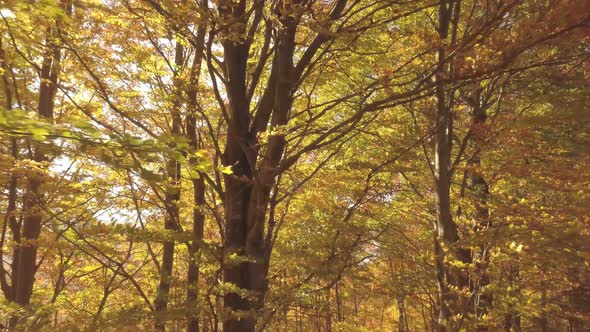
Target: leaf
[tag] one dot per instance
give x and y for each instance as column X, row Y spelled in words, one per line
column 226, row 170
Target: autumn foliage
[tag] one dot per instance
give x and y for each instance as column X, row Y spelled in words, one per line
column 294, row 165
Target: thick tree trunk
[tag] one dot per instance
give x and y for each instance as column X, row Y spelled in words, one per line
column 31, row 227
column 240, row 155
column 10, row 220
column 248, row 188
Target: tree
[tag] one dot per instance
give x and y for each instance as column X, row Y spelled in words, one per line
column 293, row 165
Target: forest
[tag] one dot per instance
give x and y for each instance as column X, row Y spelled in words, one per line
column 295, row 165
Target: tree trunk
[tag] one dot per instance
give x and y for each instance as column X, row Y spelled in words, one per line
column 31, row 227
column 10, row 221
column 171, row 198
column 446, row 233
column 339, row 313
column 247, row 190
column 192, row 291
column 512, row 318
column 403, row 319
column 479, row 189
column 239, row 155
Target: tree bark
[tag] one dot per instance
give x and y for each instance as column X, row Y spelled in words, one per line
column 446, row 232
column 512, row 318
column 192, row 291
column 238, row 154
column 402, row 314
column 254, row 172
column 247, row 189
column 171, row 198
column 32, row 221
column 10, row 220
column 479, row 188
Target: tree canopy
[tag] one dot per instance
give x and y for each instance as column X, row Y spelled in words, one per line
column 294, row 165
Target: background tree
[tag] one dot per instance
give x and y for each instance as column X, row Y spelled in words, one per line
column 275, row 165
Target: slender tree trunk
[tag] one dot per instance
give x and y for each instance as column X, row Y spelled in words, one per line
column 192, row 291
column 403, row 319
column 512, row 318
column 171, row 199
column 512, row 323
column 479, row 188
column 15, row 228
column 107, row 290
column 542, row 323
column 170, row 225
column 579, row 300
column 339, row 314
column 328, row 310
column 446, row 233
